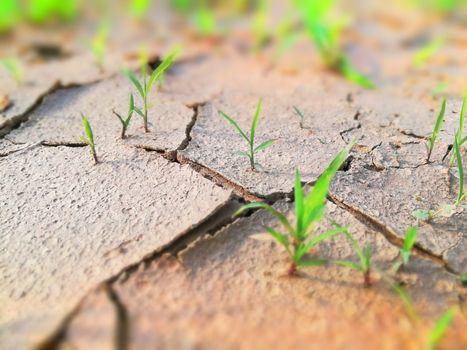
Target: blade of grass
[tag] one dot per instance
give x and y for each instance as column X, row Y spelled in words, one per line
column 234, row 123
column 460, row 168
column 436, row 130
column 254, row 123
column 440, row 328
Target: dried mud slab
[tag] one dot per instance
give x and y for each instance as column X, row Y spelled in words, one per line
column 67, row 225
column 388, row 198
column 57, row 120
column 215, row 143
column 229, row 292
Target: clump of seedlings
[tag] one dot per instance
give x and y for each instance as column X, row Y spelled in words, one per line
column 126, row 121
column 300, row 116
column 309, row 210
column 88, row 137
column 430, row 144
column 13, row 67
column 404, row 253
column 145, row 85
column 364, row 265
column 250, row 139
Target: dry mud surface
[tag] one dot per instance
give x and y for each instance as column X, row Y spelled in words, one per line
column 141, row 250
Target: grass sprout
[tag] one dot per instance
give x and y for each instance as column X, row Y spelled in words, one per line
column 446, row 210
column 364, row 265
column 439, row 329
column 426, row 52
column 460, row 140
column 300, row 116
column 99, row 41
column 309, row 210
column 145, row 85
column 250, row 139
column 460, row 168
column 88, row 137
column 430, row 144
column 126, row 122
column 404, row 253
column 13, row 67
column 139, row 8
column 326, row 33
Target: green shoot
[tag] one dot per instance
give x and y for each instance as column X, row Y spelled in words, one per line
column 364, row 265
column 204, row 21
column 461, row 195
column 145, row 85
column 430, row 144
column 10, row 13
column 259, row 22
column 440, row 88
column 88, row 137
column 299, row 116
column 425, row 53
column 460, row 130
column 139, row 8
column 446, row 210
column 250, row 154
column 463, row 278
column 440, row 328
column 99, row 41
column 407, row 246
column 308, row 212
column 126, row 122
column 14, row 69
column 326, row 33
column 40, row 11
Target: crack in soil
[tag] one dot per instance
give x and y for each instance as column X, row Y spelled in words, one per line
column 30, row 146
column 220, row 218
column 389, row 233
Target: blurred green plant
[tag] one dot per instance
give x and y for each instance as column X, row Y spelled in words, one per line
column 13, row 67
column 88, row 137
column 423, row 55
column 440, row 327
column 326, row 33
column 300, row 116
column 10, row 14
column 364, row 265
column 99, row 42
column 41, row 11
column 250, row 154
column 144, row 86
column 404, row 252
column 204, row 20
column 309, row 211
column 139, row 8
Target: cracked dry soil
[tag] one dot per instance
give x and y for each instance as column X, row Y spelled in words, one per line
column 141, row 251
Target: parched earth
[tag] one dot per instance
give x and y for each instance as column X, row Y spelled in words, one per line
column 142, row 251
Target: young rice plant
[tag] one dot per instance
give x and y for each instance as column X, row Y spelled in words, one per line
column 250, row 139
column 88, row 137
column 145, row 85
column 309, row 210
column 404, row 253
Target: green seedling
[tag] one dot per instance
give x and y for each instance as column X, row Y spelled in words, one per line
column 309, row 210
column 13, row 67
column 145, row 85
column 425, row 53
column 10, row 13
column 126, row 122
column 88, row 137
column 430, row 144
column 404, row 253
column 463, row 279
column 440, row 328
column 460, row 168
column 364, row 265
column 300, row 116
column 326, row 33
column 460, row 140
column 250, row 139
column 98, row 43
column 139, row 8
column 446, row 210
column 204, row 20
column 41, row 11
column 259, row 23
column 440, row 88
